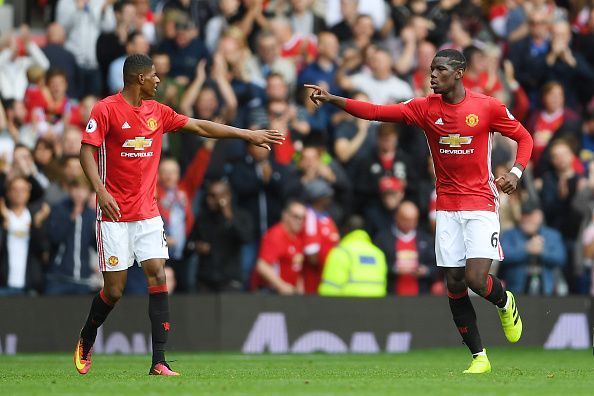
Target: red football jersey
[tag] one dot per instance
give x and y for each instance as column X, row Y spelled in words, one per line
column 284, row 252
column 407, row 257
column 129, row 140
column 320, row 235
column 460, row 137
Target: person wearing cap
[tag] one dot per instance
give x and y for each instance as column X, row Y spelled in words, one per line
column 533, row 252
column 379, row 217
column 320, row 233
column 185, row 50
column 409, row 251
column 356, row 267
column 314, row 163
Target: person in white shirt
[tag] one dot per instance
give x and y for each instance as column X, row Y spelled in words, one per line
column 84, row 20
column 21, row 261
column 13, row 67
column 379, row 83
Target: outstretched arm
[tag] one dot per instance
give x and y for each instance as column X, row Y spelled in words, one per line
column 368, row 111
column 263, row 138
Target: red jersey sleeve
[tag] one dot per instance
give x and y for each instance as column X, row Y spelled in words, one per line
column 269, row 248
column 504, row 122
column 98, row 125
column 412, row 111
column 172, row 121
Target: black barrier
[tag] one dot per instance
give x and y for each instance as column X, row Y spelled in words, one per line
column 258, row 324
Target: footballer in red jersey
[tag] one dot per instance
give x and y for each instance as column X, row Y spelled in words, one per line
column 120, row 155
column 459, row 125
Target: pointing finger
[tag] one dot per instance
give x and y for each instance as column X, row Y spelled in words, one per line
column 312, row 86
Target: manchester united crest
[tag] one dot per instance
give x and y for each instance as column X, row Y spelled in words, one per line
column 472, row 120
column 151, row 123
column 113, row 261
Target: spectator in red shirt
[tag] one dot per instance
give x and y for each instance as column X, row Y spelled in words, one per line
column 280, row 260
column 320, row 233
column 409, row 252
column 62, row 107
column 552, row 121
column 478, row 77
column 37, row 96
column 299, row 49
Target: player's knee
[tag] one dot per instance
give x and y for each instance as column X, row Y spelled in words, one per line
column 157, row 277
column 113, row 292
column 456, row 286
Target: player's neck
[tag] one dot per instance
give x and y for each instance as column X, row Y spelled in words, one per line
column 455, row 96
column 132, row 96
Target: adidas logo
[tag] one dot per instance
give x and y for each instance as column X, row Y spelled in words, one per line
column 127, row 126
column 439, row 121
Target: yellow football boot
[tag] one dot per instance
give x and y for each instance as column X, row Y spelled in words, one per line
column 480, row 365
column 510, row 320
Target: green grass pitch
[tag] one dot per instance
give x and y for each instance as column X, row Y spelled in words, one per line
column 516, row 371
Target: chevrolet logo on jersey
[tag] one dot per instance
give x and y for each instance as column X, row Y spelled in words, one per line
column 140, row 143
column 455, row 140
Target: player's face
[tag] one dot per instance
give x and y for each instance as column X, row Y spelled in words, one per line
column 443, row 75
column 149, row 82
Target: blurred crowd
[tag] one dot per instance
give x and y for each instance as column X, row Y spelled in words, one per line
column 293, row 221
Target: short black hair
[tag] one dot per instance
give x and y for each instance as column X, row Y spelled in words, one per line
column 455, row 57
column 136, row 64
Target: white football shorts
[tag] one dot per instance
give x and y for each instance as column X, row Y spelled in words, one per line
column 120, row 243
column 466, row 234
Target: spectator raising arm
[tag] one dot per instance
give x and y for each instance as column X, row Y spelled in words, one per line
column 345, row 149
column 219, row 74
column 191, row 93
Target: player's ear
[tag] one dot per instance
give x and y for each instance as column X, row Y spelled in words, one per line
column 459, row 74
column 141, row 78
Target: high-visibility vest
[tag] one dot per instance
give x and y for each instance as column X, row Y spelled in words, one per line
column 356, row 268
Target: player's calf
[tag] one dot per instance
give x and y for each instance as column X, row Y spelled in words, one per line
column 490, row 288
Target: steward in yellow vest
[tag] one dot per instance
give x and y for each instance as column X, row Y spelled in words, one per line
column 355, row 268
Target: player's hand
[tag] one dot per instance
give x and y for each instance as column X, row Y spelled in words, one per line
column 109, row 205
column 319, row 95
column 266, row 137
column 508, row 182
